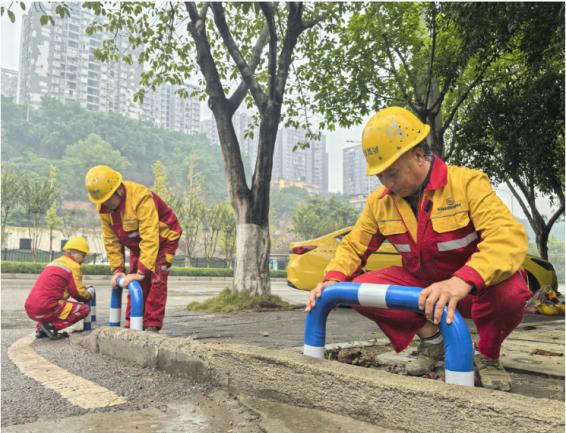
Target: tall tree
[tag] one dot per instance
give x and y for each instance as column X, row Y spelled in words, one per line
column 319, row 216
column 11, row 195
column 189, row 208
column 412, row 54
column 51, row 218
column 84, row 154
column 228, row 224
column 212, row 225
column 160, row 181
column 37, row 196
column 514, row 131
column 225, row 42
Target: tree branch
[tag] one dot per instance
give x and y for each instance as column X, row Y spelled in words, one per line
column 239, row 94
column 205, row 60
column 461, row 99
column 431, row 61
column 397, row 77
column 409, row 74
column 525, row 208
column 554, row 217
column 247, row 74
column 267, row 9
column 294, row 29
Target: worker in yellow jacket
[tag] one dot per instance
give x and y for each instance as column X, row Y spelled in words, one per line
column 456, row 238
column 136, row 218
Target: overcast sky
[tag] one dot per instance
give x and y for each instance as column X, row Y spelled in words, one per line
column 335, row 141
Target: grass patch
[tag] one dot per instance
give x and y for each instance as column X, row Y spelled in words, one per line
column 228, row 301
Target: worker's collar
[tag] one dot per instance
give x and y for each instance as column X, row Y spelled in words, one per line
column 437, row 176
column 68, row 255
column 104, row 209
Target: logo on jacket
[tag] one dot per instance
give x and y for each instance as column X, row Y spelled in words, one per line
column 450, row 204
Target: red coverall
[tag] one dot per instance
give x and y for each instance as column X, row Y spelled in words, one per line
column 462, row 229
column 147, row 226
column 48, row 299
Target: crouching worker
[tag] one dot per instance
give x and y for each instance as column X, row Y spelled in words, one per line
column 48, row 302
column 456, row 239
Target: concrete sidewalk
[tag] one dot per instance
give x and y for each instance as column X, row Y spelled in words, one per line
column 259, row 355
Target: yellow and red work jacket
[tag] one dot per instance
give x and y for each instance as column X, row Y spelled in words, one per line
column 61, row 279
column 144, row 224
column 462, row 229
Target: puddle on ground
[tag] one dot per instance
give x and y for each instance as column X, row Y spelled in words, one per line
column 170, row 418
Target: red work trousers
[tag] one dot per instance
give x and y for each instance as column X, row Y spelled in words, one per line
column 154, row 287
column 79, row 312
column 496, row 310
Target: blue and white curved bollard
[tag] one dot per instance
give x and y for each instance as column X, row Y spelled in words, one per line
column 136, row 305
column 90, row 319
column 458, row 347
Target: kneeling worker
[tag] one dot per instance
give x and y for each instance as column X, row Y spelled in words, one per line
column 48, row 302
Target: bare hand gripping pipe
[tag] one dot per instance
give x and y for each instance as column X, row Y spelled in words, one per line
column 458, row 347
column 136, row 305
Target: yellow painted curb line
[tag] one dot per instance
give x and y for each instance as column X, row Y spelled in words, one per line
column 75, row 389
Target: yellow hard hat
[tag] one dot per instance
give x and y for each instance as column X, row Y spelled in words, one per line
column 79, row 244
column 101, row 182
column 388, row 134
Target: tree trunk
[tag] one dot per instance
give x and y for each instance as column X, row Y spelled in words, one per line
column 542, row 242
column 252, row 259
column 436, row 137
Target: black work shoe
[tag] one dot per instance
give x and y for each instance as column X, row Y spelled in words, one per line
column 40, row 334
column 152, row 329
column 49, row 331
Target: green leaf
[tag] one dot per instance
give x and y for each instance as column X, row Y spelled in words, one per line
column 12, row 16
column 44, row 20
column 22, row 6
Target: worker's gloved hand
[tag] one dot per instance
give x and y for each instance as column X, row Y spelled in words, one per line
column 448, row 292
column 131, row 277
column 91, row 290
column 115, row 278
column 316, row 292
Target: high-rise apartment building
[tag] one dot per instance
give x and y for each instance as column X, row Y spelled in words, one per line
column 355, row 181
column 208, row 128
column 58, row 61
column 308, row 165
column 243, row 123
column 164, row 108
column 9, row 83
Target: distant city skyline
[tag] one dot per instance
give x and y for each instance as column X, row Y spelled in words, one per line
column 336, row 140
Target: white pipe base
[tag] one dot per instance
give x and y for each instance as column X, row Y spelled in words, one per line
column 313, row 351
column 465, row 378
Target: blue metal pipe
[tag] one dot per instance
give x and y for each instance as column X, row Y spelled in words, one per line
column 136, row 305
column 458, row 347
column 90, row 319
